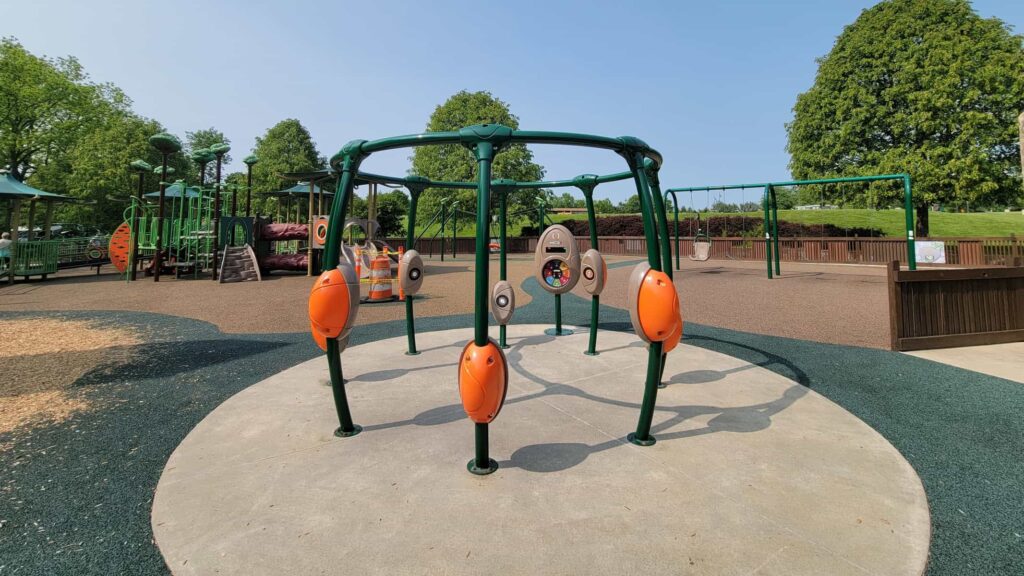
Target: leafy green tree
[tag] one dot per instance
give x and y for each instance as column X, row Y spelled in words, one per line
column 785, row 198
column 926, row 87
column 453, row 162
column 285, row 147
column 567, row 200
column 392, row 207
column 604, row 206
column 46, row 105
column 204, row 139
column 630, row 205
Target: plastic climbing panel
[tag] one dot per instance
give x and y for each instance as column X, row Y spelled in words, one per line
column 121, row 247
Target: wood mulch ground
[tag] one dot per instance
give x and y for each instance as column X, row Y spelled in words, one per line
column 42, row 359
column 824, row 303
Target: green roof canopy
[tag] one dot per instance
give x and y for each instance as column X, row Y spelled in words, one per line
column 11, row 189
column 300, row 189
column 174, row 191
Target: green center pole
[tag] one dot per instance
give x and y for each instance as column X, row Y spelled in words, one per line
column 410, row 325
column 767, row 229
column 908, row 208
column 558, row 314
column 455, row 228
column 503, row 252
column 642, row 436
column 332, row 256
column 482, row 463
column 586, row 184
column 775, row 229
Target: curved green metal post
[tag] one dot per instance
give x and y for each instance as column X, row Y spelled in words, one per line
column 675, row 206
column 642, row 436
column 660, row 217
column 332, row 255
column 661, row 220
column 410, row 322
column 767, row 229
column 908, row 208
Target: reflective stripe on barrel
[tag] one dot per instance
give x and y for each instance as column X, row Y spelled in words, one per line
column 380, row 279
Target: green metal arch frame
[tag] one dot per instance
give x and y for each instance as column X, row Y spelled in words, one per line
column 485, row 142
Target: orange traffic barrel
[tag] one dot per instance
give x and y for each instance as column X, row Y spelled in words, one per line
column 380, row 280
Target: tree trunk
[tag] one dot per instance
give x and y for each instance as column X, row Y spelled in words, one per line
column 921, row 223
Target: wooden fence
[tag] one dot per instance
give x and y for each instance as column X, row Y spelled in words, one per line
column 881, row 251
column 946, row 308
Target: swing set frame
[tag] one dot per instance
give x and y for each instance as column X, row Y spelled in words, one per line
column 769, row 204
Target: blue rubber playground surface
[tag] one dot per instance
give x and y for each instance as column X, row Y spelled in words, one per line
column 75, row 497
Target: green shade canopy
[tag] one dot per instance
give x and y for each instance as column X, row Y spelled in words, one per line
column 11, row 189
column 202, row 156
column 300, row 189
column 251, row 159
column 165, row 143
column 220, row 149
column 140, row 166
column 175, row 191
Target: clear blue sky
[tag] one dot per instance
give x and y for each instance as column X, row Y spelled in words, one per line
column 709, row 84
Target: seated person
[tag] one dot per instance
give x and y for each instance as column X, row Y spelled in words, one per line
column 5, row 246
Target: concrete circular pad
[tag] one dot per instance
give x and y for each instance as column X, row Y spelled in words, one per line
column 752, row 473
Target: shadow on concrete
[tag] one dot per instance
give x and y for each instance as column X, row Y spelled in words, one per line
column 559, row 456
column 392, row 373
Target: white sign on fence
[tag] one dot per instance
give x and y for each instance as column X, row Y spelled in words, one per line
column 930, row 252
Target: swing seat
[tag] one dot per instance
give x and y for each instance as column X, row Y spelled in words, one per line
column 701, row 249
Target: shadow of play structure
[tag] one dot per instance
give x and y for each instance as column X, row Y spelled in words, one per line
column 482, row 365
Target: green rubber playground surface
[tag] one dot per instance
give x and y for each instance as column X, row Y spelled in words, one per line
column 75, row 497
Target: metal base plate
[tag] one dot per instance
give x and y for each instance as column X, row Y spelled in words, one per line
column 356, row 429
column 474, row 469
column 555, row 332
column 634, row 440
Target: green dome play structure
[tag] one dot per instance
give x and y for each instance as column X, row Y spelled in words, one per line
column 482, row 358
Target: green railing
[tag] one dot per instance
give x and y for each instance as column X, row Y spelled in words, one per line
column 33, row 258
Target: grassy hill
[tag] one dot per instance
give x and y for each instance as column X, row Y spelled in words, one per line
column 890, row 222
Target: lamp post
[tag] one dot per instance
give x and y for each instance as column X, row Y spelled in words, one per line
column 249, row 161
column 140, row 167
column 219, row 150
column 166, row 144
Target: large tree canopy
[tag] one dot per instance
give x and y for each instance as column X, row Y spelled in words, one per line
column 286, row 147
column 204, row 139
column 454, row 162
column 46, row 105
column 920, row 86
